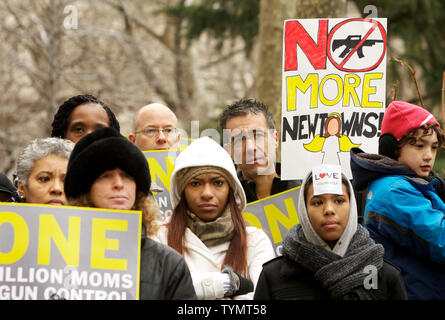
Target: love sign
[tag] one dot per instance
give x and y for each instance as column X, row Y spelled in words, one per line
column 327, row 179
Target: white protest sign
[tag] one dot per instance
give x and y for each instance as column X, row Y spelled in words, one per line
column 333, row 91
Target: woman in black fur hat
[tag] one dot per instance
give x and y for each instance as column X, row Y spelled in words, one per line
column 106, row 170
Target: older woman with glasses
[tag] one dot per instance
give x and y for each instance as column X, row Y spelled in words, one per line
column 41, row 171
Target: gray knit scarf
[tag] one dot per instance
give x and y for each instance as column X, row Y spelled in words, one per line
column 338, row 275
column 214, row 232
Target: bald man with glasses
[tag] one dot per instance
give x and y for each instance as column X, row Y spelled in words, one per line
column 155, row 128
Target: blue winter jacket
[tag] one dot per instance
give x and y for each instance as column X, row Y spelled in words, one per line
column 405, row 214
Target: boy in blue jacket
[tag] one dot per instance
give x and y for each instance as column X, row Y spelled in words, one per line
column 405, row 209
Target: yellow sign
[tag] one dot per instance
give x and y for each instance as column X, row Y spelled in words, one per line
column 275, row 215
column 44, row 249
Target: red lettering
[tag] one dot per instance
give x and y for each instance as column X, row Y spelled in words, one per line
column 316, row 53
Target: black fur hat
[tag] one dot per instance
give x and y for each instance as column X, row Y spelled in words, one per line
column 104, row 149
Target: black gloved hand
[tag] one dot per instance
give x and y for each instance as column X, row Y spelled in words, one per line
column 238, row 284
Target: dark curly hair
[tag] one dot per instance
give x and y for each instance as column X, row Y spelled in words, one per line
column 60, row 122
column 243, row 107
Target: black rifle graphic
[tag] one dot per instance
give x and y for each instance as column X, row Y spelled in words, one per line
column 351, row 42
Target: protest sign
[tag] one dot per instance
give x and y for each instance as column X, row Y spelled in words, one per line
column 333, row 91
column 275, row 215
column 71, row 252
column 327, row 179
column 162, row 164
column 185, row 142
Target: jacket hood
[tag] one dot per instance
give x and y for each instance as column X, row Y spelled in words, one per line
column 312, row 236
column 367, row 167
column 206, row 152
column 6, row 185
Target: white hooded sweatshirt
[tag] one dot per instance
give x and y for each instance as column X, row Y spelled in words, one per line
column 205, row 263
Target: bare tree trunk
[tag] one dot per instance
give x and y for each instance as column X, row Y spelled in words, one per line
column 268, row 80
column 184, row 76
column 270, row 39
column 320, row 9
column 270, row 51
column 54, row 53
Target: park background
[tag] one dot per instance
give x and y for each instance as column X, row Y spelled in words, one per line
column 196, row 56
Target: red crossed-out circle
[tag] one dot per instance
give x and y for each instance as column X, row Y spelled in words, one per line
column 340, row 66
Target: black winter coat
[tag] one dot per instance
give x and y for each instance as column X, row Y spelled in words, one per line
column 283, row 279
column 164, row 274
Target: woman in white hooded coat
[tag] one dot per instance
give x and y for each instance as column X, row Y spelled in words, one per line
column 225, row 256
column 328, row 255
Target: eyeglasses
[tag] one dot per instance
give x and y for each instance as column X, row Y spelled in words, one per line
column 154, row 132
